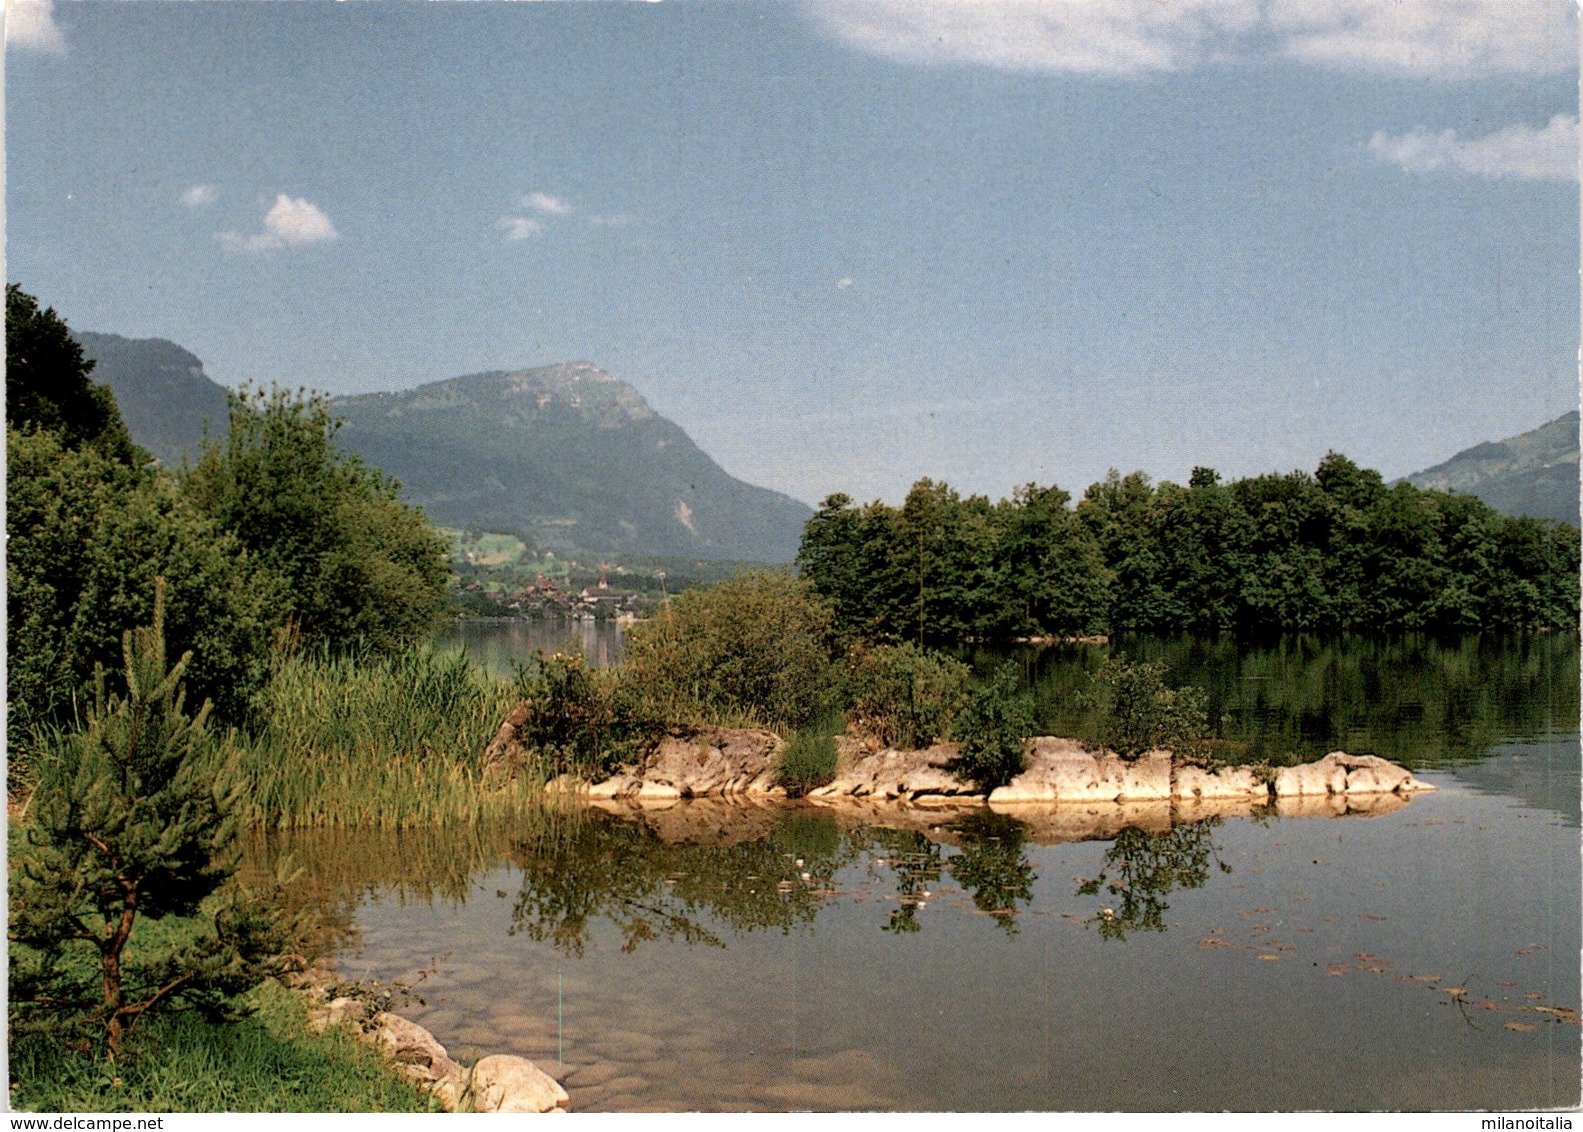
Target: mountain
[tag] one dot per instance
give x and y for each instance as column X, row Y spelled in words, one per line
column 1535, row 473
column 164, row 395
column 566, row 455
column 570, row 456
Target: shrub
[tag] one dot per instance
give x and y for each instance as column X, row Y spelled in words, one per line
column 578, row 720
column 994, row 729
column 133, row 821
column 903, row 696
column 1139, row 712
column 753, row 650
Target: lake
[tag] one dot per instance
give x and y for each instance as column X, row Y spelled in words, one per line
column 792, row 957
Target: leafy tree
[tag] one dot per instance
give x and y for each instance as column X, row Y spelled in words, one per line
column 48, row 385
column 1118, row 511
column 1333, row 551
column 755, row 648
column 575, row 717
column 360, row 568
column 87, row 536
column 1052, row 575
column 132, row 821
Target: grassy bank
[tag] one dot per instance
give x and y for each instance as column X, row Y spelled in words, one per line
column 268, row 1062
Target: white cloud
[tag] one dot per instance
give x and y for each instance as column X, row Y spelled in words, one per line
column 1114, row 37
column 290, row 222
column 545, row 203
column 1548, row 154
column 30, row 24
column 199, row 195
column 519, row 227
column 1434, row 38
column 1441, row 38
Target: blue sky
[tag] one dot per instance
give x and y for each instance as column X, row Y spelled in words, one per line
column 845, row 245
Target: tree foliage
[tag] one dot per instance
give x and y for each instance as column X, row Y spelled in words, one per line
column 360, row 568
column 903, row 696
column 87, row 534
column 274, row 536
column 48, row 384
column 994, row 729
column 132, row 821
column 1139, row 712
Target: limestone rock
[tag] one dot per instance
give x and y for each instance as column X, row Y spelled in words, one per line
column 565, row 785
column 503, row 1083
column 895, row 774
column 717, row 761
column 341, row 1011
column 1063, row 770
column 315, row 982
column 414, row 1049
column 506, row 753
column 1224, row 782
column 1370, row 774
column 1311, row 779
column 616, row 786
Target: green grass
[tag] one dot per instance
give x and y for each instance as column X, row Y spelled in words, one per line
column 180, row 1063
column 389, row 743
column 489, row 549
column 809, row 757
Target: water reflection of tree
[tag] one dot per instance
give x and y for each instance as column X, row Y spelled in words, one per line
column 992, row 866
column 1141, row 867
column 651, row 889
column 915, row 863
column 1412, row 698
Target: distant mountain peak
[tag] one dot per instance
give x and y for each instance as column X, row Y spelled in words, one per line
column 570, row 456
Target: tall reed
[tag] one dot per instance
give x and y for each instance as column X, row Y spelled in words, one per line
column 385, row 743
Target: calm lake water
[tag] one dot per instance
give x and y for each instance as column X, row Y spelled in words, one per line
column 792, row 957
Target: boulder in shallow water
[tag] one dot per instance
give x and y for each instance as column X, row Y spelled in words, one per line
column 1311, row 780
column 504, row 1083
column 1064, row 770
column 893, row 774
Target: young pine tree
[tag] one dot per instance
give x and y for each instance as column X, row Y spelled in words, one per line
column 133, row 820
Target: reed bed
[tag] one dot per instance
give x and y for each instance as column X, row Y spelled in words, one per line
column 384, row 743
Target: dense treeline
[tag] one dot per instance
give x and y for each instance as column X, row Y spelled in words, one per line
column 1337, row 550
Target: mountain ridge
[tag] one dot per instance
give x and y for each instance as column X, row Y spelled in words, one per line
column 166, row 399
column 1533, row 473
column 567, row 455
